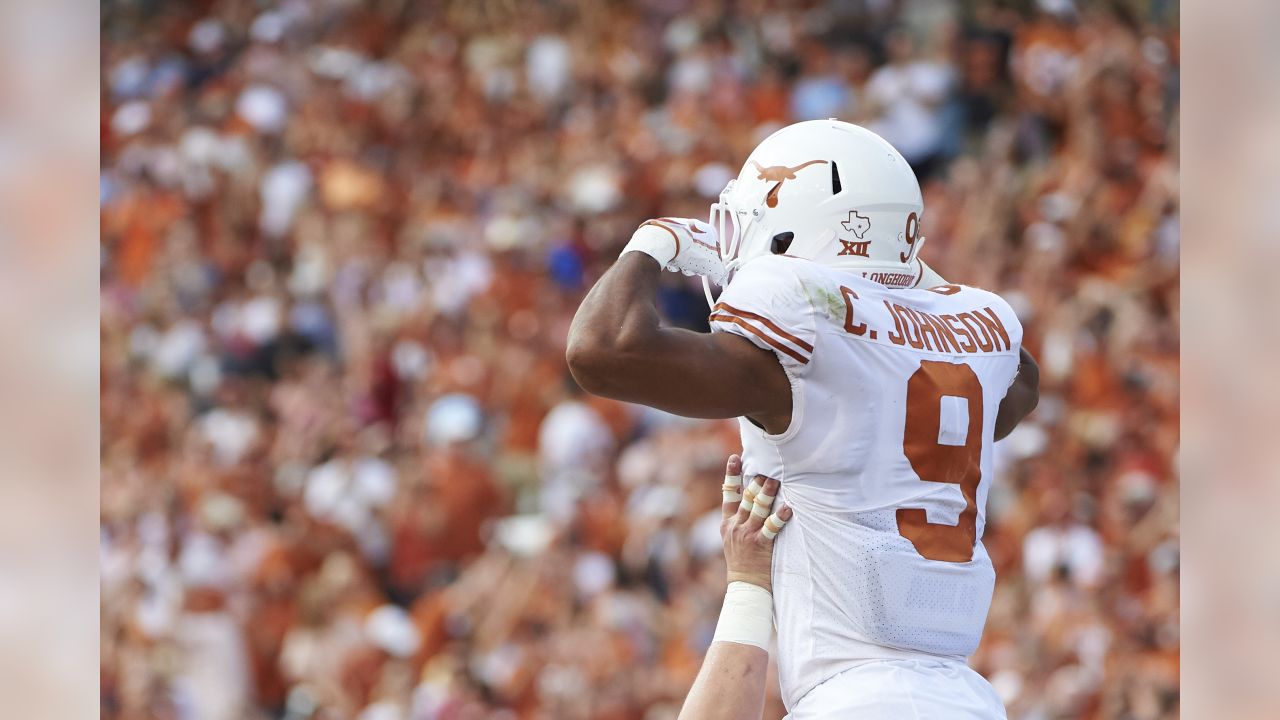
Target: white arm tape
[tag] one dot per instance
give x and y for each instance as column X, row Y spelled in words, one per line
column 746, row 616
column 656, row 241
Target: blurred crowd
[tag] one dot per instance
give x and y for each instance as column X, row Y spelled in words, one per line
column 345, row 473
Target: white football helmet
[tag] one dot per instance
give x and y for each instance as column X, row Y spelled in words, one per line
column 830, row 191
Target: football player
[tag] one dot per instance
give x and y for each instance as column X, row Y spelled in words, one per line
column 867, row 386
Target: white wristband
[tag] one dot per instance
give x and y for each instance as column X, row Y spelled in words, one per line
column 656, row 241
column 746, row 616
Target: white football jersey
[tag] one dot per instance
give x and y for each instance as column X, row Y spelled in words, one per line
column 887, row 461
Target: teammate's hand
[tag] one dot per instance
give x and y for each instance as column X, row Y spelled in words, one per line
column 684, row 245
column 748, row 528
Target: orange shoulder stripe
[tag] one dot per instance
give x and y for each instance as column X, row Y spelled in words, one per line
column 725, row 307
column 774, row 342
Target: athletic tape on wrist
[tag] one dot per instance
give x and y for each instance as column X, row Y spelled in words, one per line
column 656, row 241
column 746, row 616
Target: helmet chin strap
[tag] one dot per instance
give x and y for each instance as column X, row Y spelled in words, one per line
column 915, row 249
column 706, row 289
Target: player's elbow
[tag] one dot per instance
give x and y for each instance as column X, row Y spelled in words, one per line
column 605, row 360
column 594, row 361
column 588, row 362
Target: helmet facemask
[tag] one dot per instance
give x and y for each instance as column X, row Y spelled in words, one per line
column 737, row 221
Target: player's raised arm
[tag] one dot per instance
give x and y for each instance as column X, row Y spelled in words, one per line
column 618, row 349
column 731, row 682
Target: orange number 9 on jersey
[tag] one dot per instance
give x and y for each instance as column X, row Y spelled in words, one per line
column 933, row 461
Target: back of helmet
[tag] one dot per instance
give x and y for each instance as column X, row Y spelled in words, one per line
column 826, row 190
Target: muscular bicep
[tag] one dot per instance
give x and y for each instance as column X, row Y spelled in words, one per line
column 701, row 375
column 618, row 348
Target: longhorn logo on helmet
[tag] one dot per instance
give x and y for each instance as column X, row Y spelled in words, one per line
column 780, row 174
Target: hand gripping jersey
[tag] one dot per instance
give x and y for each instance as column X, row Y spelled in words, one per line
column 887, row 461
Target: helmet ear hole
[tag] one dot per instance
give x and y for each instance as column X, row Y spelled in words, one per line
column 781, row 242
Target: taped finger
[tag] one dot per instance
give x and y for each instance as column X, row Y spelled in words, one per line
column 762, row 505
column 760, row 510
column 749, row 497
column 772, row 526
column 732, row 488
